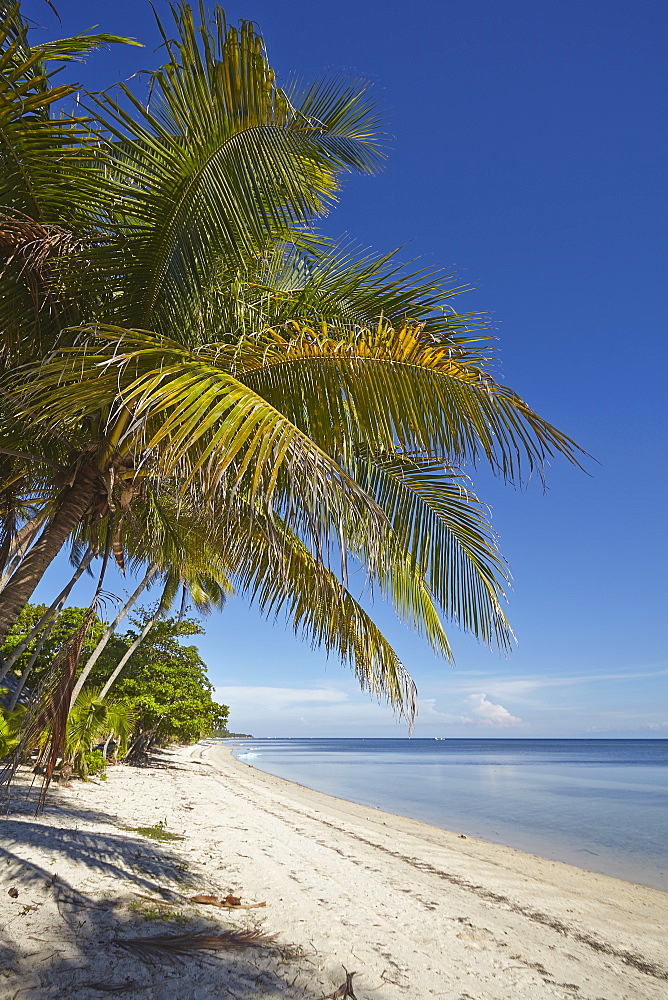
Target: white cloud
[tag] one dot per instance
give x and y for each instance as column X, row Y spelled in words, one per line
column 483, row 713
column 428, row 708
column 490, row 714
column 322, row 711
column 528, row 690
column 277, row 697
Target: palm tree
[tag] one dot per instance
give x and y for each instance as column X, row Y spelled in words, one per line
column 10, row 726
column 88, row 723
column 212, row 348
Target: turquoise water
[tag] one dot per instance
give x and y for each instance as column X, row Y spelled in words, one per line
column 598, row 804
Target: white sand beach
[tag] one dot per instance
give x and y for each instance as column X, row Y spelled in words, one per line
column 414, row 911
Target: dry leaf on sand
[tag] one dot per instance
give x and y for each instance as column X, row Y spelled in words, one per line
column 165, row 945
column 230, row 902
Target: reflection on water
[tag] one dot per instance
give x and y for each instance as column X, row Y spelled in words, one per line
column 600, row 804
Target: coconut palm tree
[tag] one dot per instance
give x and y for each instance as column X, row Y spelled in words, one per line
column 214, row 349
column 220, row 178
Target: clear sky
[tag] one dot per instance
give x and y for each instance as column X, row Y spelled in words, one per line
column 527, row 153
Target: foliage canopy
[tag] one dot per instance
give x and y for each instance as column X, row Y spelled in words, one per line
column 196, row 379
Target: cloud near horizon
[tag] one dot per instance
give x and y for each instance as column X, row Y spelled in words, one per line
column 312, row 711
column 483, row 713
column 279, row 697
column 489, row 714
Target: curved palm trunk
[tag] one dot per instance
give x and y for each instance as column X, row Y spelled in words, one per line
column 95, row 655
column 138, row 641
column 50, row 614
column 25, row 536
column 78, row 500
column 31, row 662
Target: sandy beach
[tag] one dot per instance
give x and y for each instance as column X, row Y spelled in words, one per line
column 413, row 910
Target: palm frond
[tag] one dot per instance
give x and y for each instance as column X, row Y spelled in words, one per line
column 77, row 47
column 49, row 183
column 275, row 570
column 46, row 174
column 166, row 945
column 397, row 387
column 445, row 528
column 338, row 284
column 218, row 162
column 176, row 413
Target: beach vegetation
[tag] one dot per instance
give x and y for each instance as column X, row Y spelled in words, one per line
column 38, row 641
column 95, row 763
column 158, row 831
column 89, row 722
column 10, row 727
column 157, row 912
column 166, row 684
column 161, row 694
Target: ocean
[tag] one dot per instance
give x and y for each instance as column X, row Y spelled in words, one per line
column 598, row 804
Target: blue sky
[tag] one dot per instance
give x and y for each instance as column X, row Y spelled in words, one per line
column 527, row 151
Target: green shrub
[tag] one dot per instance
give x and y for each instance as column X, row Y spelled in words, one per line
column 95, row 762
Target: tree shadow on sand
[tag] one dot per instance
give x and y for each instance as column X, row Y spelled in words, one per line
column 61, row 942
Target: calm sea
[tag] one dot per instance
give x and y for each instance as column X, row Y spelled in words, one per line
column 598, row 804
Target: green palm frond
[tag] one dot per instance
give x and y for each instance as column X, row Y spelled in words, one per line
column 338, row 284
column 438, row 395
column 40, row 177
column 76, row 48
column 179, row 414
column 85, row 724
column 218, row 162
column 10, row 728
column 90, row 720
column 278, row 573
column 120, row 722
column 47, row 171
column 49, row 181
column 445, row 528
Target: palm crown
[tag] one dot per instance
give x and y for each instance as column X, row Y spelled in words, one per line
column 178, row 333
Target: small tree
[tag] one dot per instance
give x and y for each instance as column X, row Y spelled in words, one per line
column 89, row 722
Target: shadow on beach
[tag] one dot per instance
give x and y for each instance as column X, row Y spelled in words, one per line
column 61, row 941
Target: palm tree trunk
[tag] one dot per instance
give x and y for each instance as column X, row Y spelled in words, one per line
column 77, row 501
column 31, row 662
column 138, row 641
column 50, row 613
column 24, row 538
column 95, row 655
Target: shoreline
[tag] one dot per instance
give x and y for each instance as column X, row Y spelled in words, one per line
column 482, row 841
column 414, row 910
column 628, row 870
